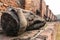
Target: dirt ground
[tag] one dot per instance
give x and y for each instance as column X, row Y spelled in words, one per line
column 58, row 31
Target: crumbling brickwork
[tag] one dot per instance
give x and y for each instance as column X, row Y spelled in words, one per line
column 5, row 3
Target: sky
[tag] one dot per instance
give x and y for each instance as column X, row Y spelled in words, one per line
column 54, row 5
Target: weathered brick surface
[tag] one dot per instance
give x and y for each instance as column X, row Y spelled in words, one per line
column 43, row 8
column 5, row 3
column 32, row 5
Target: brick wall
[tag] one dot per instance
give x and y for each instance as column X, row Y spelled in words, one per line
column 32, row 5
column 43, row 8
column 5, row 3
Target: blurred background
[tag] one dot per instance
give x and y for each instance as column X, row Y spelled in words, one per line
column 54, row 6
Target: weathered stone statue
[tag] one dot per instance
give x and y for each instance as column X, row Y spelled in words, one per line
column 15, row 21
